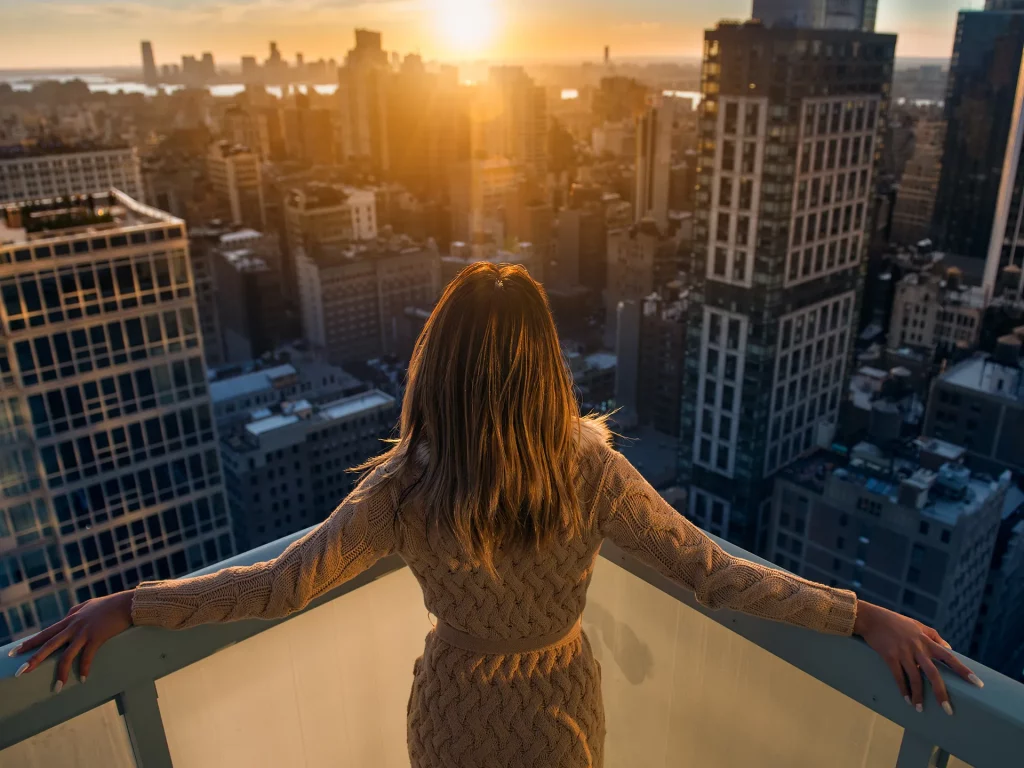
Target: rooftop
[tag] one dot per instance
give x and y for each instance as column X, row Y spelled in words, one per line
column 240, row 236
column 982, row 373
column 343, row 254
column 292, row 412
column 56, row 147
column 950, row 490
column 42, row 221
column 315, row 195
column 244, row 260
column 249, row 383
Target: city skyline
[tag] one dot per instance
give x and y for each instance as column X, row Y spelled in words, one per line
column 107, row 34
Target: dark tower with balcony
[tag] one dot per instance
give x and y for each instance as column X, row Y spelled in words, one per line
column 789, row 140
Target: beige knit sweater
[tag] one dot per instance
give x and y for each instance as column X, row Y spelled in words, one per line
column 537, row 708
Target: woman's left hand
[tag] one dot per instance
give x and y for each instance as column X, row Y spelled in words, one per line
column 87, row 626
column 909, row 648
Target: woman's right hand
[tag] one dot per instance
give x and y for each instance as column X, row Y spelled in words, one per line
column 87, row 626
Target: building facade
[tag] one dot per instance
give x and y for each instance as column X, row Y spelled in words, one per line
column 250, row 303
column 237, row 182
column 352, row 299
column 937, row 312
column 978, row 111
column 822, row 14
column 112, row 474
column 288, row 467
column 653, row 164
column 318, row 215
column 979, row 404
column 46, row 172
column 789, row 139
column 912, row 531
column 149, row 72
column 919, row 186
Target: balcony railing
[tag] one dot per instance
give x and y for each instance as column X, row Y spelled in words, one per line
column 328, row 686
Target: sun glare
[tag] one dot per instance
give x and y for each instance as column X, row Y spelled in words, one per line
column 465, row 26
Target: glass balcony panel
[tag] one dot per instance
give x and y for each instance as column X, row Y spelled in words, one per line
column 680, row 689
column 95, row 739
column 330, row 685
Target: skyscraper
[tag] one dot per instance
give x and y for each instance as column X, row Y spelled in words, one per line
column 362, row 103
column 978, row 110
column 149, row 73
column 821, row 14
column 915, row 201
column 653, row 164
column 517, row 114
column 109, row 449
column 789, row 139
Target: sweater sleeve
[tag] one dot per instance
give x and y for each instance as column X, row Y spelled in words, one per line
column 643, row 524
column 357, row 534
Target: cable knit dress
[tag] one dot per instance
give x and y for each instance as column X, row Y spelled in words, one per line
column 512, row 681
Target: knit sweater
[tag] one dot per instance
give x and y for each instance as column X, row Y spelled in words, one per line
column 519, row 709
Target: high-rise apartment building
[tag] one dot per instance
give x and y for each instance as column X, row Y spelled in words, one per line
column 653, row 165
column 237, row 182
column 288, row 467
column 790, row 126
column 978, row 112
column 919, row 185
column 352, row 297
column 50, row 171
column 911, row 529
column 1004, row 5
column 821, row 14
column 149, row 72
column 112, row 474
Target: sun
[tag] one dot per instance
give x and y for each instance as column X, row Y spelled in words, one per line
column 465, row 26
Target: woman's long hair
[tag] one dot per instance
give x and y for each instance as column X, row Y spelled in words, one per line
column 489, row 430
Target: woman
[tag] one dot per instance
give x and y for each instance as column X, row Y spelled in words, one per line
column 498, row 496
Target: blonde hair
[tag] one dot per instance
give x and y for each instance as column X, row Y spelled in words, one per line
column 489, row 430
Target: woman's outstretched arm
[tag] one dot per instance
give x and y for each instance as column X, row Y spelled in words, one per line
column 642, row 523
column 357, row 534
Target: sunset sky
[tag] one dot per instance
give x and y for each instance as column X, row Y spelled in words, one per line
column 80, row 33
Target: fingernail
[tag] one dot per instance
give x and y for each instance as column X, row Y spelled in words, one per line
column 976, row 680
column 919, row 707
column 84, row 678
column 57, row 686
column 907, row 699
column 947, row 708
column 21, row 669
column 14, row 651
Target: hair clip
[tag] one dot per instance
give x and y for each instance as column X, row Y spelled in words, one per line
column 499, row 283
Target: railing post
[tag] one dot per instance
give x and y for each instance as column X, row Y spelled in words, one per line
column 916, row 752
column 138, row 705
